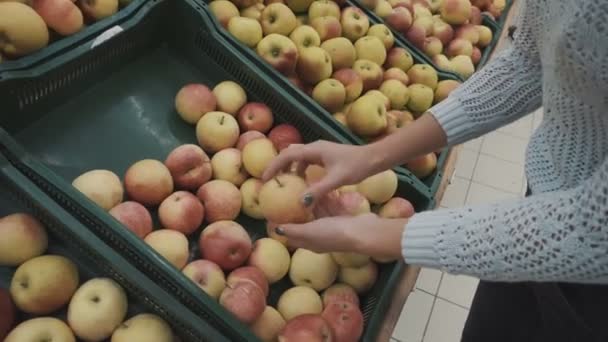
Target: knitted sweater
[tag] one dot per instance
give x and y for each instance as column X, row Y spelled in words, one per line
column 558, row 59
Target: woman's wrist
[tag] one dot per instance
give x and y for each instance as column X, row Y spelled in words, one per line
column 385, row 242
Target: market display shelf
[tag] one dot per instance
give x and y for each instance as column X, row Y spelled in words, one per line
column 101, row 30
column 70, row 238
column 315, row 109
column 109, row 107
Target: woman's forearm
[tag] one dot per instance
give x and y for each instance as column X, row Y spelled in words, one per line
column 423, row 136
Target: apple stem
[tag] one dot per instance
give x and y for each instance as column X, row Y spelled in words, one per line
column 276, row 179
column 222, row 120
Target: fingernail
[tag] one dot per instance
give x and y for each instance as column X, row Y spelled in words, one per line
column 307, row 200
column 279, row 231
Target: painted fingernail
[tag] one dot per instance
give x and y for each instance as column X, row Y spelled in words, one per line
column 307, row 200
column 279, row 231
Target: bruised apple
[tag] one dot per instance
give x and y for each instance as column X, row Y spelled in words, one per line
column 226, row 243
column 189, row 166
column 340, row 293
column 133, row 216
column 251, row 274
column 345, row 320
column 280, row 199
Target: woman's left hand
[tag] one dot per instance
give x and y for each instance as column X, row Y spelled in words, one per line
column 365, row 234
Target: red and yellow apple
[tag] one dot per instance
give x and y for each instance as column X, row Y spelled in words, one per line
column 226, row 243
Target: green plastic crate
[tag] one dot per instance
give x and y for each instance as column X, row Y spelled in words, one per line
column 111, row 106
column 63, row 45
column 69, row 238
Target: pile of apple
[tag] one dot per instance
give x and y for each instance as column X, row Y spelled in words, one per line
column 29, row 25
column 44, row 284
column 190, row 190
column 449, row 31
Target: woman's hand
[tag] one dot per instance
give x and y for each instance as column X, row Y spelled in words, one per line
column 365, row 234
column 344, row 165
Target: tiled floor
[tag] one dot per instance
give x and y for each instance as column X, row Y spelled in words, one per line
column 488, row 169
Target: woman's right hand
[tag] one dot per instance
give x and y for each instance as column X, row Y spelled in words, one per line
column 344, row 165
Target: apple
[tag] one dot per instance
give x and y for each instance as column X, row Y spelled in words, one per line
column 242, row 4
column 397, row 93
column 280, row 52
column 416, row 34
column 97, row 308
column 268, row 325
column 207, row 275
column 298, row 6
column 423, row 166
column 226, row 243
column 299, row 300
column 341, row 51
column 143, row 327
column 51, row 328
column 369, row 4
column 380, row 96
column 444, row 88
column 307, row 328
column 459, row 46
column 400, row 19
column 271, row 257
column 251, row 274
column 352, row 82
column 189, row 166
column 44, row 284
column 171, row 244
column 216, row 131
column 367, row 117
column 399, row 58
column 7, row 312
column 362, row 279
column 98, row 9
column 350, row 203
column 193, row 101
column 432, row 46
column 244, row 300
column 462, row 65
column 340, row 293
column 485, row 35
column 371, row 48
column 257, row 154
column 383, row 33
column 221, row 200
column 253, row 12
column 481, row 4
column 443, row 31
column 314, row 65
column 330, row 94
column 345, row 320
column 423, row 74
column 370, row 72
column 181, row 211
column 397, row 207
column 340, row 117
column 227, row 165
column 323, row 8
column 103, row 187
column 305, row 36
column 379, row 188
column 134, row 217
column 280, row 199
column 397, row 119
column 354, row 23
column 403, row 3
column 468, row 32
column 475, row 18
column 248, row 136
column 315, row 270
column 23, row 238
column 455, row 12
column 250, row 204
column 383, row 9
column 148, row 182
column 424, row 21
column 230, row 97
column 223, row 10
column 421, row 98
column 246, row 30
column 278, row 18
column 284, row 135
column 476, row 55
column 327, row 27
column 442, row 62
column 24, row 30
column 396, row 74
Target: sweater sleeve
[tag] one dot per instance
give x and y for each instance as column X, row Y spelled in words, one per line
column 506, row 89
column 555, row 236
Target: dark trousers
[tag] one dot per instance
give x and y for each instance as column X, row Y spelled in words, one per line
column 538, row 312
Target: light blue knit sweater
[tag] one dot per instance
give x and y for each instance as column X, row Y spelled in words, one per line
column 559, row 59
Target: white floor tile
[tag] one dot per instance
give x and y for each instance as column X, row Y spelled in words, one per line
column 456, row 193
column 446, row 323
column 505, row 146
column 474, row 145
column 458, row 289
column 465, row 164
column 414, row 317
column 483, row 194
column 521, row 128
column 428, row 280
column 499, row 173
